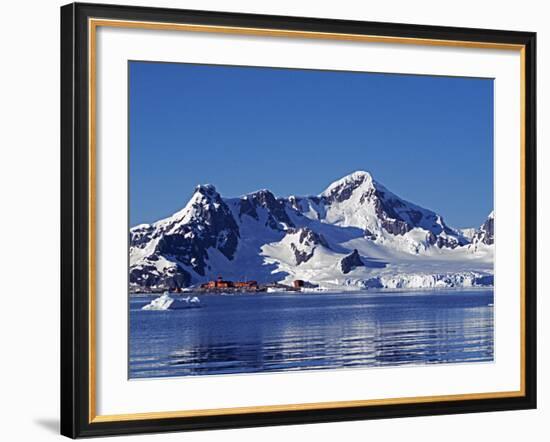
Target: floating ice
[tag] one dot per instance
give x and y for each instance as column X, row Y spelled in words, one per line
column 166, row 302
column 163, row 302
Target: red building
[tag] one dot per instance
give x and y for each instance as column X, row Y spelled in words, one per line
column 220, row 283
column 246, row 284
column 298, row 283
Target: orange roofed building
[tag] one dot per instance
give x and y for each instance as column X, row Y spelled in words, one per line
column 220, row 283
column 246, row 284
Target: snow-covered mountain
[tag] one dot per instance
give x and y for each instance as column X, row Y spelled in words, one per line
column 354, row 234
column 485, row 235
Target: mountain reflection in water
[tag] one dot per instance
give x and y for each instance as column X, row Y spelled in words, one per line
column 283, row 332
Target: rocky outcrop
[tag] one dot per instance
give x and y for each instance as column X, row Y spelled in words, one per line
column 441, row 241
column 277, row 218
column 303, row 243
column 148, row 276
column 182, row 241
column 350, row 262
column 485, row 235
column 301, row 256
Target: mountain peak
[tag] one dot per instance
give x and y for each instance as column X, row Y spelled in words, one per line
column 356, row 178
column 348, row 184
column 486, row 233
column 206, row 189
column 360, row 174
column 203, row 195
column 259, row 193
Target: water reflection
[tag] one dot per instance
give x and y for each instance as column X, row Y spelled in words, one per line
column 266, row 333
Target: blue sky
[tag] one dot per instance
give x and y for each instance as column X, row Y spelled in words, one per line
column 428, row 139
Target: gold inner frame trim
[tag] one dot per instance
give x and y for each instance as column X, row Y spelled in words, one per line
column 298, row 34
column 298, row 407
column 93, row 24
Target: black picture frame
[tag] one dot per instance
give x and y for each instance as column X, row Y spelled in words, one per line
column 75, row 221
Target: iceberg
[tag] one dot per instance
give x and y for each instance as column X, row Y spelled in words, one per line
column 166, row 302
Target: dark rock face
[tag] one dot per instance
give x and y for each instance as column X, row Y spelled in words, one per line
column 399, row 223
column 350, row 262
column 370, row 235
column 440, row 241
column 307, row 242
column 310, row 238
column 344, row 191
column 139, row 237
column 210, row 223
column 148, row 276
column 144, row 276
column 277, row 219
column 301, row 255
column 489, row 228
column 392, row 221
column 247, row 208
column 485, row 234
column 396, row 226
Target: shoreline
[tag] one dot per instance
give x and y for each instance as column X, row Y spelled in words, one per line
column 312, row 292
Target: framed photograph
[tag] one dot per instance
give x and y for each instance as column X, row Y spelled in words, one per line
column 274, row 220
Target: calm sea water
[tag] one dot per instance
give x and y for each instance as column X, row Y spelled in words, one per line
column 281, row 332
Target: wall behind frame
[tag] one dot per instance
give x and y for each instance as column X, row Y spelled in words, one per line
column 29, row 221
